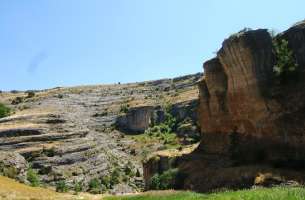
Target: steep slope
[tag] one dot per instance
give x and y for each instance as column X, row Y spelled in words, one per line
column 73, row 134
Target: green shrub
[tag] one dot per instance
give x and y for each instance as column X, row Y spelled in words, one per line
column 4, row 111
column 285, row 62
column 124, row 108
column 155, row 182
column 95, row 186
column 128, row 169
column 115, row 176
column 30, row 94
column 33, row 178
column 17, row 100
column 164, row 181
column 106, row 181
column 61, row 186
column 78, row 187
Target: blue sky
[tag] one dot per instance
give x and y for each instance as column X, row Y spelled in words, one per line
column 51, row 43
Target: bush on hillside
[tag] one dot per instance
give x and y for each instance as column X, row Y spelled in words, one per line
column 78, row 187
column 33, row 178
column 95, row 186
column 30, row 94
column 4, row 110
column 164, row 181
column 61, row 186
column 124, row 108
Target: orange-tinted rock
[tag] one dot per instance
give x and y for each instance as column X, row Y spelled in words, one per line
column 246, row 117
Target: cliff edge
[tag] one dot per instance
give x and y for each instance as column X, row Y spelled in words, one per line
column 252, row 119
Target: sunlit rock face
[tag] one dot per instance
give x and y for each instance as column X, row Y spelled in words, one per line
column 231, row 98
column 247, row 117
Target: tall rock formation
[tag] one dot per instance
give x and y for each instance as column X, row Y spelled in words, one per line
column 250, row 122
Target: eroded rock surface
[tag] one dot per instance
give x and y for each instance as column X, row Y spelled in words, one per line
column 136, row 120
column 250, row 122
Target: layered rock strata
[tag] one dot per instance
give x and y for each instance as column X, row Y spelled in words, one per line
column 251, row 123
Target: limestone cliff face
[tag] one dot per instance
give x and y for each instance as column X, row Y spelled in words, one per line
column 246, row 116
column 237, row 97
column 136, row 120
column 231, row 92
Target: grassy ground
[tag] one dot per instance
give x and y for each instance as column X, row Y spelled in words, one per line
column 254, row 194
column 165, row 195
column 11, row 190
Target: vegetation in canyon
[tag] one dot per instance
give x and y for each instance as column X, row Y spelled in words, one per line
column 10, row 189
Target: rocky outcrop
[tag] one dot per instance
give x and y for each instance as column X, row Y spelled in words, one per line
column 136, row 120
column 13, row 165
column 250, row 122
column 161, row 161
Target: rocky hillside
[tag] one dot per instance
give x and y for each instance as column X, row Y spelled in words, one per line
column 90, row 133
column 252, row 112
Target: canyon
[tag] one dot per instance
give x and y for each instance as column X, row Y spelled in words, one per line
column 250, row 121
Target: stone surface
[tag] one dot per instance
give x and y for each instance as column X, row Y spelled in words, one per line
column 139, row 118
column 249, row 122
column 69, row 133
column 13, row 165
column 136, row 120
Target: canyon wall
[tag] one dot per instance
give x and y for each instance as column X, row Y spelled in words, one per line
column 251, row 121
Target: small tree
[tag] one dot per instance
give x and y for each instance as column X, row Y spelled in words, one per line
column 95, row 186
column 285, row 62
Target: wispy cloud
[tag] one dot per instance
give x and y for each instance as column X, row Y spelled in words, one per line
column 36, row 61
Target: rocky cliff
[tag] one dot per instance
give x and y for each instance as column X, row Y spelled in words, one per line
column 251, row 121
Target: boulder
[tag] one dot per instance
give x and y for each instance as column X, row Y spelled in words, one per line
column 13, row 165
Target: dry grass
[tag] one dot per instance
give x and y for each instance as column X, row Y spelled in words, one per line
column 175, row 152
column 184, row 96
column 12, row 190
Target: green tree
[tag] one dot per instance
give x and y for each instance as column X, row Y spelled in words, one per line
column 285, row 62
